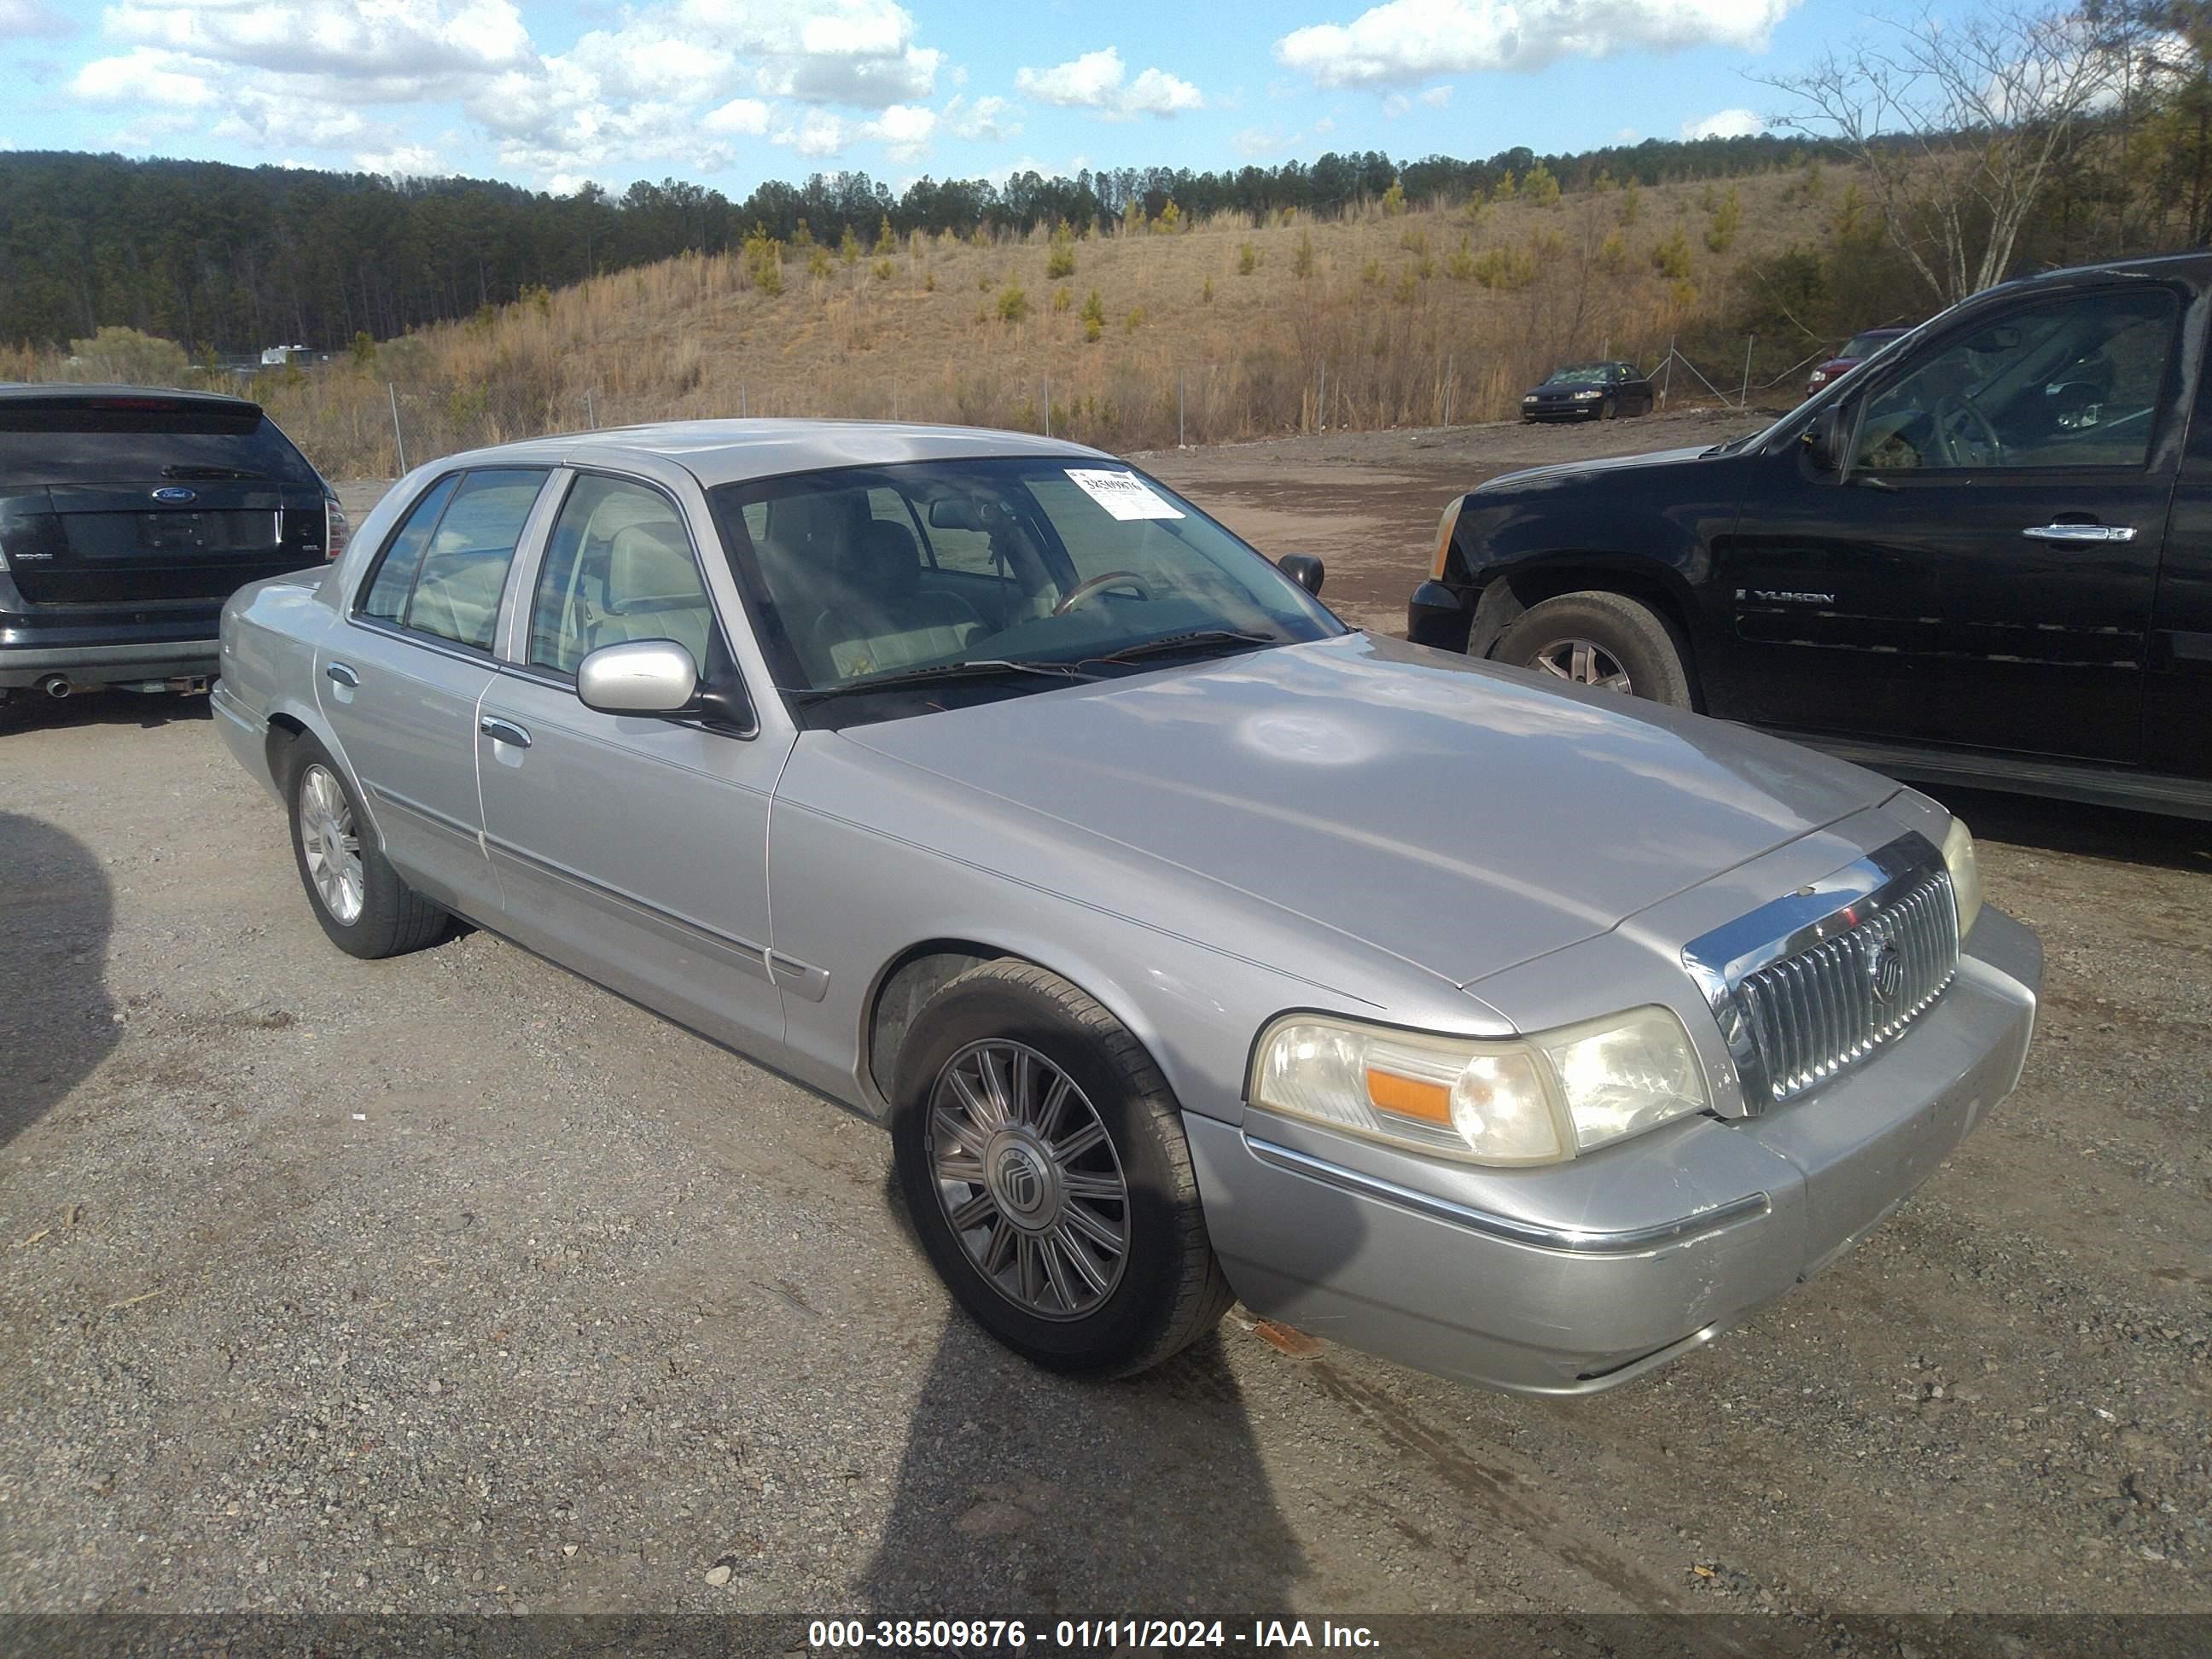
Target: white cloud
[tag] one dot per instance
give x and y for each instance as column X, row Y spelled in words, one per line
column 25, row 20
column 142, row 76
column 746, row 116
column 1098, row 81
column 1436, row 97
column 1406, row 40
column 1725, row 123
column 904, row 130
column 271, row 123
column 816, row 134
column 987, row 119
column 353, row 39
column 1396, row 105
column 402, row 161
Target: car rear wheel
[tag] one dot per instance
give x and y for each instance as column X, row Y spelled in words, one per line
column 358, row 897
column 1602, row 640
column 1610, row 410
column 1043, row 1164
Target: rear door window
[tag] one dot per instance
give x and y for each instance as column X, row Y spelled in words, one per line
column 443, row 572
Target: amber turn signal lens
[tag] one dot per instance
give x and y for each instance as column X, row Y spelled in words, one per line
column 1428, row 1103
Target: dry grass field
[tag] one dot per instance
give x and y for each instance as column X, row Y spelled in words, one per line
column 1425, row 316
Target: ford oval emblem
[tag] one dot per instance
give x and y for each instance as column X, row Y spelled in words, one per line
column 175, row 494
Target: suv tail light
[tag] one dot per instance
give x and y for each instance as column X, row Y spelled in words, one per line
column 335, row 529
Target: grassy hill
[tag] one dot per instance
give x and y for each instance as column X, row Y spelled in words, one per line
column 1394, row 314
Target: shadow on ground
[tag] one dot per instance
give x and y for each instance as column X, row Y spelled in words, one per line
column 33, row 710
column 1022, row 1489
column 56, row 1021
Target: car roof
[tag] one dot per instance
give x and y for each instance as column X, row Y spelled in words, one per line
column 734, row 452
column 59, row 392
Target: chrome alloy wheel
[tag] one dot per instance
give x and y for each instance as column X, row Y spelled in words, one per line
column 333, row 844
column 1583, row 663
column 1029, row 1179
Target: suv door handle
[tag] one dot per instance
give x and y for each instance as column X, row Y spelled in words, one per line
column 499, row 731
column 2081, row 532
column 343, row 675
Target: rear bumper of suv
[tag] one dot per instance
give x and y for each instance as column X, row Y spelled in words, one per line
column 108, row 653
column 1672, row 1242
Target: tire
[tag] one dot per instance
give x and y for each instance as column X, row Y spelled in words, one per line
column 1642, row 644
column 390, row 918
column 1166, row 1287
column 1609, row 410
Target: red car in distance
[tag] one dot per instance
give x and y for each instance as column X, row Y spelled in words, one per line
column 1860, row 346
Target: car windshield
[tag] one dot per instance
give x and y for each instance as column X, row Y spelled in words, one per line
column 1581, row 374
column 1862, row 346
column 979, row 574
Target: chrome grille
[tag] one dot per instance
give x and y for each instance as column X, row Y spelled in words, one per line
column 1813, row 982
column 1815, row 1012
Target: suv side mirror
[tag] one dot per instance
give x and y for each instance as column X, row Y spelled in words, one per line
column 1304, row 569
column 1824, row 438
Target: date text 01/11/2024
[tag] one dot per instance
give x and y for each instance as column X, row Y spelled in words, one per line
column 1110, row 1634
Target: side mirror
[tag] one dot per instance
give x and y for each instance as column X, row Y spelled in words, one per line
column 1823, row 440
column 1304, row 569
column 657, row 676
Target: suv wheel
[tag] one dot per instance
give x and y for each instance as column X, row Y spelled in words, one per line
column 1043, row 1163
column 1603, row 641
column 357, row 897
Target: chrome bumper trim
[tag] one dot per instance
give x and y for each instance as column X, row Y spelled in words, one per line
column 1567, row 1241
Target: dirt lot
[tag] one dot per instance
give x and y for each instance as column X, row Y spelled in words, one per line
column 452, row 1283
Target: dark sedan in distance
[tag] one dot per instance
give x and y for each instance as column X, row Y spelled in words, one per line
column 1857, row 349
column 1589, row 391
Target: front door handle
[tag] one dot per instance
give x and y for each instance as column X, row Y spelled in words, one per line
column 499, row 731
column 2081, row 532
column 343, row 675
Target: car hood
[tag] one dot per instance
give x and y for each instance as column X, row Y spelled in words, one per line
column 1563, row 471
column 1454, row 814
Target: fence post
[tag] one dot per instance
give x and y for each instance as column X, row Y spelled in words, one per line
column 591, row 414
column 1321, row 399
column 743, row 410
column 1047, row 405
column 1180, row 444
column 1743, row 398
column 1666, row 379
column 1451, row 374
column 399, row 443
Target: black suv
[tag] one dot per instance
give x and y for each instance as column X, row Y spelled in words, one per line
column 1982, row 558
column 127, row 517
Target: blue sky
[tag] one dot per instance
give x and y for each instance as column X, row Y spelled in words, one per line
column 551, row 93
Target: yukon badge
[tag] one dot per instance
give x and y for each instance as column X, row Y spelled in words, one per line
column 175, row 494
column 1783, row 596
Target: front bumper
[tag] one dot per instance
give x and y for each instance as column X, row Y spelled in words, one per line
column 1589, row 411
column 1577, row 1276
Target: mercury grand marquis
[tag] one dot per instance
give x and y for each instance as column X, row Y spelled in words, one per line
column 1191, row 945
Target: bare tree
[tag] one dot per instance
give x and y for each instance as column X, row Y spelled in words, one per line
column 1959, row 125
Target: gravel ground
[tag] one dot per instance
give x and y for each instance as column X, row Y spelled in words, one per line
column 453, row 1284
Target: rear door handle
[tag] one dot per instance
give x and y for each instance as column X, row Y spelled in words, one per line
column 2081, row 532
column 343, row 675
column 499, row 731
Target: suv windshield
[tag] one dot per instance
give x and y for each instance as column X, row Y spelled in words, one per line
column 1581, row 374
column 976, row 574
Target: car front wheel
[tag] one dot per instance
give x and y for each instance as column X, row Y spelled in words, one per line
column 364, row 906
column 1606, row 642
column 1043, row 1161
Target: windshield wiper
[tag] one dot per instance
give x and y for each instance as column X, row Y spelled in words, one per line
column 1197, row 638
column 239, row 472
column 946, row 673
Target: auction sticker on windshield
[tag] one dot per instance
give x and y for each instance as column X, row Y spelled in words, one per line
column 1124, row 494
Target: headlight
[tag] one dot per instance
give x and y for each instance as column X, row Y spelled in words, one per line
column 1581, row 397
column 1966, row 873
column 1530, row 398
column 1531, row 1100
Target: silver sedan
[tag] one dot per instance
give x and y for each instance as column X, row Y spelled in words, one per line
column 1190, row 945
